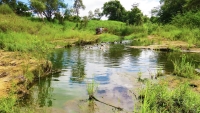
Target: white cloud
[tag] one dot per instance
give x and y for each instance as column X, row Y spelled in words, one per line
column 144, row 5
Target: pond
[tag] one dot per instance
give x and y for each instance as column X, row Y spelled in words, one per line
column 113, row 67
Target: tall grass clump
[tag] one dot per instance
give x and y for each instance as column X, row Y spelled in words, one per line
column 157, row 98
column 184, row 68
column 91, row 89
column 5, row 9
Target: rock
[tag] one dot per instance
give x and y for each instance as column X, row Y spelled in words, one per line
column 197, row 70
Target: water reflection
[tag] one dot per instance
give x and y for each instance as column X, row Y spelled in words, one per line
column 114, row 69
column 78, row 68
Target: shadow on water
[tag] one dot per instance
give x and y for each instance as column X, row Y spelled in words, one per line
column 115, row 69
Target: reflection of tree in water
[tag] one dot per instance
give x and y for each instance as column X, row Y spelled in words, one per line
column 134, row 52
column 168, row 57
column 78, row 69
column 60, row 57
column 115, row 53
column 57, row 58
column 43, row 96
column 45, row 93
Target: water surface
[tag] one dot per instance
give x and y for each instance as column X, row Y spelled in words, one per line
column 115, row 69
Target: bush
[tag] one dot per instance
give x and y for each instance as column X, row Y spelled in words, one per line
column 5, row 9
column 189, row 19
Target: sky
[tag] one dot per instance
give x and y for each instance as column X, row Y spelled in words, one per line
column 144, row 5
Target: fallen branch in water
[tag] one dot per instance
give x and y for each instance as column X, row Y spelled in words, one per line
column 91, row 97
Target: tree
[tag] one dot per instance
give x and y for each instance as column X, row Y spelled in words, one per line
column 193, row 5
column 98, row 14
column 78, row 4
column 11, row 3
column 38, row 7
column 114, row 10
column 170, row 8
column 135, row 16
column 22, row 9
column 90, row 15
column 48, row 8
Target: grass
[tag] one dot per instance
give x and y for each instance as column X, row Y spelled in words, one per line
column 158, row 98
column 171, row 32
column 109, row 38
column 8, row 104
column 184, row 68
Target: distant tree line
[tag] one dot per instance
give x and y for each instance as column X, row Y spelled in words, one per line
column 113, row 10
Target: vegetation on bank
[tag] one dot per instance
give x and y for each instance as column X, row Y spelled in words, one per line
column 158, row 98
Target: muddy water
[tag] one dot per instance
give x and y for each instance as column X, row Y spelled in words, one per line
column 113, row 67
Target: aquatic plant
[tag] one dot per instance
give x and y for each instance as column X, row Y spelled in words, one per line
column 91, row 89
column 184, row 68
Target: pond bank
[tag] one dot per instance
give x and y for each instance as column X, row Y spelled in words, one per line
column 18, row 70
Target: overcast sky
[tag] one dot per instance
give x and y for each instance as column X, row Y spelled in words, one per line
column 144, row 5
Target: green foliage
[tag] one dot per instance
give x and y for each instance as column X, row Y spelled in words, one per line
column 184, row 68
column 11, row 3
column 188, row 19
column 170, row 8
column 22, row 9
column 159, row 98
column 5, row 9
column 192, row 5
column 135, row 16
column 114, row 10
column 47, row 7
